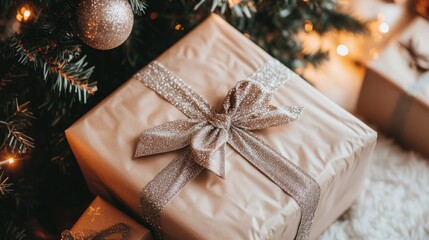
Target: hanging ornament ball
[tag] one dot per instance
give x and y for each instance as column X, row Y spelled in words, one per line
column 104, row 24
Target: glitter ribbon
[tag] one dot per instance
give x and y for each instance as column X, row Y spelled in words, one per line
column 98, row 235
column 203, row 137
column 419, row 63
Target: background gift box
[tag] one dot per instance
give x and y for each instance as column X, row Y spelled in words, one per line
column 395, row 92
column 101, row 216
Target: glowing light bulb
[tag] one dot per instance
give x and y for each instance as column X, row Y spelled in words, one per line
column 7, row 161
column 24, row 14
column 27, row 14
column 383, row 27
column 342, row 50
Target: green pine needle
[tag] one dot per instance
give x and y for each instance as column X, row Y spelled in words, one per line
column 5, row 186
column 9, row 230
column 17, row 121
column 138, row 6
column 60, row 62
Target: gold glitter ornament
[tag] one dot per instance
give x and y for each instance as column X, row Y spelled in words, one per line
column 104, row 24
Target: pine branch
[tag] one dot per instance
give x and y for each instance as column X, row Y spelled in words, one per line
column 5, row 186
column 316, row 58
column 18, row 119
column 59, row 61
column 63, row 159
column 9, row 230
column 244, row 8
column 339, row 21
column 138, row 6
column 71, row 77
column 25, row 54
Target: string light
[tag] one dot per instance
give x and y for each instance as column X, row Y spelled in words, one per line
column 383, row 27
column 7, row 161
column 24, row 14
column 342, row 50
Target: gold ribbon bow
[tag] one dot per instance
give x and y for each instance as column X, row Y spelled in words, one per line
column 246, row 107
column 202, row 139
column 98, row 235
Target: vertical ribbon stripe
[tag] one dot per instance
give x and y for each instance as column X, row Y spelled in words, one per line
column 164, row 187
column 289, row 177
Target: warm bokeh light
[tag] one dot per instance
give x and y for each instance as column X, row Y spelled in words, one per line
column 153, row 15
column 11, row 160
column 373, row 53
column 179, row 27
column 308, row 26
column 24, row 14
column 383, row 27
column 342, row 50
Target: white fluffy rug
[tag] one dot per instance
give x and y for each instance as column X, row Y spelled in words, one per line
column 395, row 201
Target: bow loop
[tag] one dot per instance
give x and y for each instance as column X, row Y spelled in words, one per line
column 249, row 105
column 173, row 135
column 246, row 97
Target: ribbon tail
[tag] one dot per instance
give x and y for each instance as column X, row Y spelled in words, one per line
column 289, row 177
column 158, row 192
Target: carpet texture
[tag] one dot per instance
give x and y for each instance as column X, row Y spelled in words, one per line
column 395, row 201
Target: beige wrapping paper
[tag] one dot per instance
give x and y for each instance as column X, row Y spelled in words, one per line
column 386, row 99
column 100, row 215
column 327, row 142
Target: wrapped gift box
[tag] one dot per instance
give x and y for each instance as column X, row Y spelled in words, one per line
column 395, row 95
column 327, row 142
column 101, row 215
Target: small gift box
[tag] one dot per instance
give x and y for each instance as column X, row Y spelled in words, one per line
column 395, row 92
column 198, row 143
column 103, row 221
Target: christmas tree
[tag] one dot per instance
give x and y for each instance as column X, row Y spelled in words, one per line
column 49, row 77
